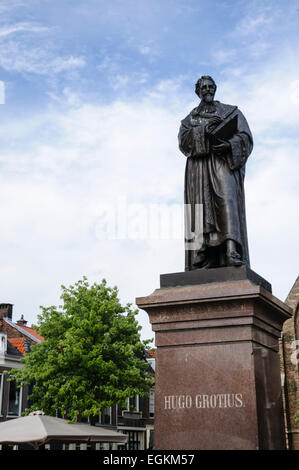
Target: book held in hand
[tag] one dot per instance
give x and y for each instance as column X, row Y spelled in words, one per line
column 226, row 129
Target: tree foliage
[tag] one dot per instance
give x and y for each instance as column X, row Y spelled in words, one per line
column 92, row 356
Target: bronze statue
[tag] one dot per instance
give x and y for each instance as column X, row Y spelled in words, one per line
column 217, row 141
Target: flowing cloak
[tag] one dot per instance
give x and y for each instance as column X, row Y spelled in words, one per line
column 217, row 183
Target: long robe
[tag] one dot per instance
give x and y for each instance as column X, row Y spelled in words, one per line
column 216, row 183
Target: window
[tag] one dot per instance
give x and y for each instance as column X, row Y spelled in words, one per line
column 135, row 440
column 1, row 392
column 106, row 416
column 3, row 343
column 152, row 363
column 14, row 400
column 106, row 446
column 152, row 403
column 133, row 403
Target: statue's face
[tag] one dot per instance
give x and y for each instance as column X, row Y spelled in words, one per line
column 207, row 91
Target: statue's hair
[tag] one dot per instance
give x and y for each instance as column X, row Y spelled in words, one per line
column 199, row 82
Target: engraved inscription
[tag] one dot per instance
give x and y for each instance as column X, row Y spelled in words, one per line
column 172, row 402
column 218, row 400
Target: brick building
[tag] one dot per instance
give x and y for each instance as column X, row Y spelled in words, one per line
column 15, row 340
column 137, row 419
column 289, row 354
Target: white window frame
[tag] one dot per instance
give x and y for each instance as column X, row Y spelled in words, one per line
column 20, row 403
column 1, row 391
column 3, row 343
column 110, row 422
column 137, row 404
column 152, row 413
column 152, row 362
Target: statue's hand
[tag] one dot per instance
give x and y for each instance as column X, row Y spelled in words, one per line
column 221, row 149
column 213, row 123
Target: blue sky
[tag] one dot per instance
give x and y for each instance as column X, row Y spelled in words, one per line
column 104, row 50
column 94, row 94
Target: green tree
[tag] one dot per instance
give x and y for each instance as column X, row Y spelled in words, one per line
column 92, row 356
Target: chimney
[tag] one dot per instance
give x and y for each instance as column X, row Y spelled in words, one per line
column 22, row 322
column 6, row 311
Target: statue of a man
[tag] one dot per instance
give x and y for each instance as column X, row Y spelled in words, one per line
column 214, row 180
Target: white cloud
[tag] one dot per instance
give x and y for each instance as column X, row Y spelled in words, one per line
column 62, row 64
column 149, row 49
column 272, row 205
column 258, row 19
column 20, row 57
column 52, row 193
column 268, row 95
column 119, row 81
column 61, row 168
column 8, row 5
column 145, row 50
column 20, row 53
column 222, row 56
column 18, row 27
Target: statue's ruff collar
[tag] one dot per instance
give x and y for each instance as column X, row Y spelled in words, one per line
column 203, row 108
column 217, row 108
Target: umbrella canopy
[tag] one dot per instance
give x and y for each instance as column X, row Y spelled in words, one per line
column 40, row 429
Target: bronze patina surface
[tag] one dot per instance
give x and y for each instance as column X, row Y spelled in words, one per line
column 217, row 142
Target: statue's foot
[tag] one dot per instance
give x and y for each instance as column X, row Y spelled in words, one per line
column 199, row 259
column 233, row 259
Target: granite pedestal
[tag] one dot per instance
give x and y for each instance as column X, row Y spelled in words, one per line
column 217, row 364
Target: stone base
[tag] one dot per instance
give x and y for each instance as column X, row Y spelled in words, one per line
column 217, row 366
column 206, row 276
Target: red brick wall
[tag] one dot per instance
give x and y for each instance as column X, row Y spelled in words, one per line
column 12, row 332
column 289, row 352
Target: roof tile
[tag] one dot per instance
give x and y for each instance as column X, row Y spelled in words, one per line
column 151, row 352
column 32, row 332
column 18, row 343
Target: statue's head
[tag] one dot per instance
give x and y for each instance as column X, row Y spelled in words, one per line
column 205, row 88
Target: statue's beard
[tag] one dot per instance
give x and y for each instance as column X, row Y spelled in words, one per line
column 209, row 98
column 207, row 106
